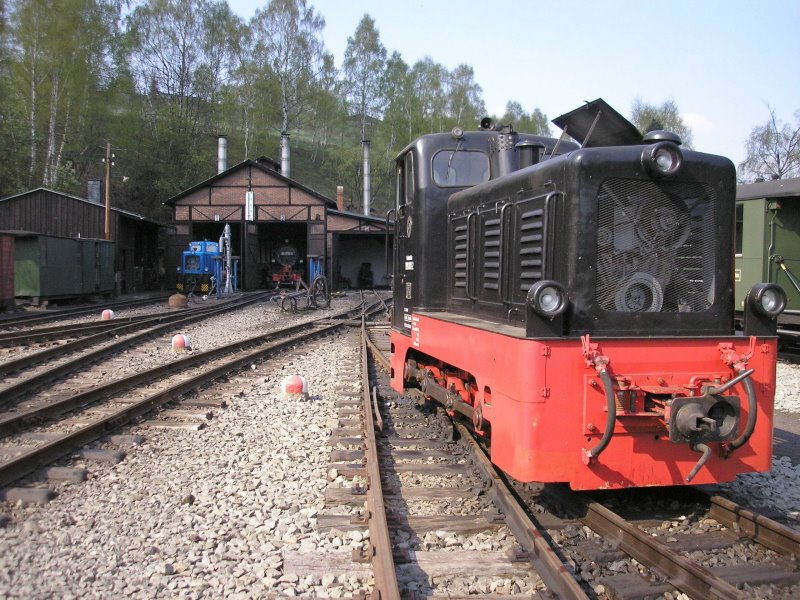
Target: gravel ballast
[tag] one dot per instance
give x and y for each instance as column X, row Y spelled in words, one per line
column 213, row 513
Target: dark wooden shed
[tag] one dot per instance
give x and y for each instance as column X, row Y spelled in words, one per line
column 138, row 260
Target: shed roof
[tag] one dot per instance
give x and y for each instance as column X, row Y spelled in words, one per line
column 777, row 188
column 261, row 164
column 125, row 213
column 359, row 216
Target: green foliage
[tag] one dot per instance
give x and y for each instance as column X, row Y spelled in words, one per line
column 535, row 122
column 165, row 80
column 364, row 61
column 649, row 117
column 54, row 77
column 289, row 48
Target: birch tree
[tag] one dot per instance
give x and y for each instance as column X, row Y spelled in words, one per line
column 289, row 48
column 364, row 61
column 773, row 150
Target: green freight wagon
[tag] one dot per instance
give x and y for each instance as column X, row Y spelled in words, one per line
column 768, row 241
column 50, row 268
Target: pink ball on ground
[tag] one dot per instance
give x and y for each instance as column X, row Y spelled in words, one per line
column 294, row 385
column 107, row 314
column 181, row 341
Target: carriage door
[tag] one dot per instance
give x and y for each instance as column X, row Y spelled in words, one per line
column 403, row 281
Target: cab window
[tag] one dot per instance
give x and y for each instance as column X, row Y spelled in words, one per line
column 460, row 168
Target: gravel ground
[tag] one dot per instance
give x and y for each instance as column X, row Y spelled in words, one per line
column 787, row 394
column 197, row 514
column 780, row 487
column 212, row 513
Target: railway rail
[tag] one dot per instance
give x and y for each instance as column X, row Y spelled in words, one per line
column 50, row 368
column 667, row 565
column 675, row 561
column 434, row 515
column 155, row 387
column 22, row 336
column 37, row 317
column 390, row 444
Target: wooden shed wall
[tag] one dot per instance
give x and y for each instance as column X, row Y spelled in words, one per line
column 6, row 271
column 50, row 213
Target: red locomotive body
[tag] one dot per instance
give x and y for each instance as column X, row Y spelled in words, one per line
column 577, row 308
column 547, row 409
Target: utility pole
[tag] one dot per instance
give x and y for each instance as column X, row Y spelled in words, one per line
column 108, row 191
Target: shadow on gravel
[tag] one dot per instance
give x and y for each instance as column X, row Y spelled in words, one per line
column 786, row 436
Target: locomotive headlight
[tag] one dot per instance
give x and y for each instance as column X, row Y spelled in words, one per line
column 548, row 298
column 662, row 159
column 767, row 299
column 665, row 161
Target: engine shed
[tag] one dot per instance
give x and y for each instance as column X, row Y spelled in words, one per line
column 273, row 217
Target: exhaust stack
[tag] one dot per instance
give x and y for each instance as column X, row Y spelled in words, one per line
column 222, row 153
column 285, row 163
column 367, row 192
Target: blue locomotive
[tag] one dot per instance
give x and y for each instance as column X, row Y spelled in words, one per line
column 209, row 266
column 197, row 270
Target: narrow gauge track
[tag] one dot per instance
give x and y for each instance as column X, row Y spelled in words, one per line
column 440, row 519
column 60, row 332
column 597, row 544
column 31, row 449
column 24, row 335
column 723, row 550
column 21, row 337
column 48, row 366
column 32, row 318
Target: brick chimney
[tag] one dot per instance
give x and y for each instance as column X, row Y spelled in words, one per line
column 340, row 197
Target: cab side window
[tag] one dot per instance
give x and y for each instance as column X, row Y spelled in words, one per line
column 408, row 167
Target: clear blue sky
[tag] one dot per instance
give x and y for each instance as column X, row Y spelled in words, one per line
column 722, row 62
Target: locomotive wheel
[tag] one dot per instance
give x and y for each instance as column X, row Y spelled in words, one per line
column 320, row 294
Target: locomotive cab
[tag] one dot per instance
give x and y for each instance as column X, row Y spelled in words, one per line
column 576, row 303
column 429, row 171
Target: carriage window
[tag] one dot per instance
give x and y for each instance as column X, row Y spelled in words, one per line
column 192, row 262
column 739, row 227
column 453, row 168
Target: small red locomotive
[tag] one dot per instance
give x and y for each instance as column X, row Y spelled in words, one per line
column 575, row 303
column 285, row 262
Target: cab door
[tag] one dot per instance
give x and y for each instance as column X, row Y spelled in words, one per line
column 403, row 280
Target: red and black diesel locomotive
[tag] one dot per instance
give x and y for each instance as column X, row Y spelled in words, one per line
column 576, row 303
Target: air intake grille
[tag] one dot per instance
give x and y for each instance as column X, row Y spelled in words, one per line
column 460, row 256
column 531, row 244
column 491, row 252
column 655, row 246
